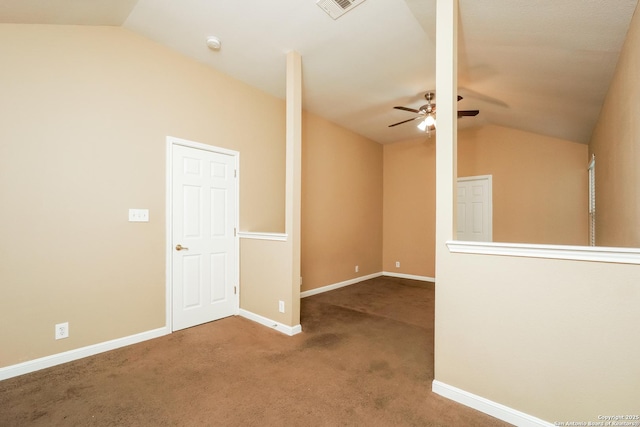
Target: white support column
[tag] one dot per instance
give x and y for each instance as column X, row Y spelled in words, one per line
column 294, row 173
column 446, row 142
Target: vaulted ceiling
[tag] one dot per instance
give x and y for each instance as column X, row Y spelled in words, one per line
column 542, row 66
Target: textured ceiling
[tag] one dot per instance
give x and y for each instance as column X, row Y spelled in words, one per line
column 542, row 66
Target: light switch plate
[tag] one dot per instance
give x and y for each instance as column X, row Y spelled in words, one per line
column 138, row 215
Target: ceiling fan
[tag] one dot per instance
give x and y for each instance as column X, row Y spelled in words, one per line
column 428, row 113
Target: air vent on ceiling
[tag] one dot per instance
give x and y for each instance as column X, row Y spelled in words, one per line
column 337, row 8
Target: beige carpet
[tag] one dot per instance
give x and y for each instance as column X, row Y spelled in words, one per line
column 364, row 358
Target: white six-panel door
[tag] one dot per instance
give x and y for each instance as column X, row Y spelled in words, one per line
column 203, row 243
column 475, row 209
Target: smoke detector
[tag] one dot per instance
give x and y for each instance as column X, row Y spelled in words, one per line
column 213, row 43
column 337, row 8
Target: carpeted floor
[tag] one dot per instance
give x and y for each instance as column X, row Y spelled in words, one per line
column 364, row 358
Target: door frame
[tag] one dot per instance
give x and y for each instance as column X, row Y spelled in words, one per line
column 489, row 179
column 171, row 141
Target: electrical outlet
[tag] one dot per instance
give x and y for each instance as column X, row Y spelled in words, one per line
column 357, row 268
column 397, row 264
column 281, row 306
column 62, row 330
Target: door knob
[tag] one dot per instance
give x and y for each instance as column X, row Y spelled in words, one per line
column 181, row 248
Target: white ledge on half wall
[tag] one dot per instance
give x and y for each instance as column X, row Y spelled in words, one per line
column 576, row 253
column 280, row 237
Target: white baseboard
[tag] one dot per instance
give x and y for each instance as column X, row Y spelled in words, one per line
column 79, row 353
column 338, row 285
column 409, row 276
column 489, row 407
column 280, row 327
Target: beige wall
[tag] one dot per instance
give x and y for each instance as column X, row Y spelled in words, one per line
column 409, row 207
column 550, row 338
column 540, row 184
column 265, row 271
column 341, row 204
column 616, row 145
column 85, row 113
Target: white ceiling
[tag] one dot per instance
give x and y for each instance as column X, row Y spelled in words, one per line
column 542, row 66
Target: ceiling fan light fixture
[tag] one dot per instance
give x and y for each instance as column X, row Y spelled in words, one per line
column 427, row 114
column 429, row 122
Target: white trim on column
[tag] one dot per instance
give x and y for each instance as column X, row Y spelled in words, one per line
column 280, row 327
column 78, row 353
column 487, row 406
column 280, row 237
column 528, row 250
